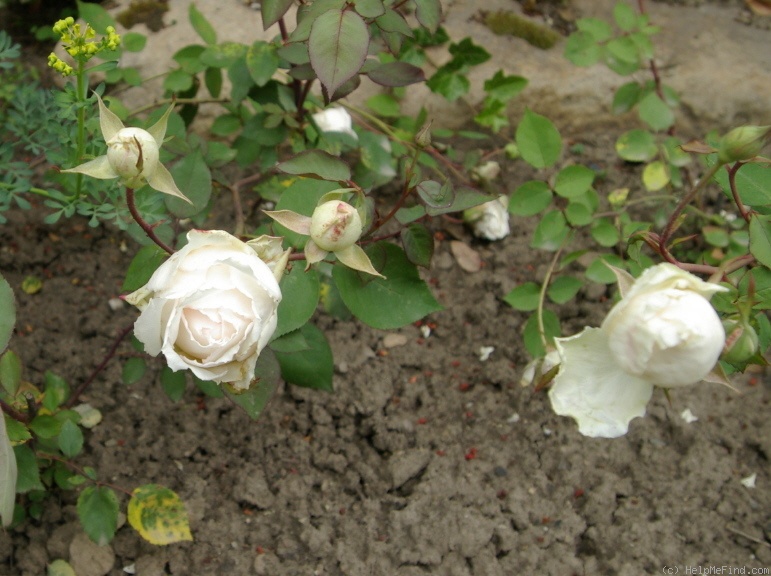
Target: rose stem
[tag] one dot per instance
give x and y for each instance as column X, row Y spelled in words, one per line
column 110, row 353
column 142, row 223
column 12, row 412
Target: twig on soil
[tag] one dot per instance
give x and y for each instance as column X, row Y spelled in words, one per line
column 747, row 536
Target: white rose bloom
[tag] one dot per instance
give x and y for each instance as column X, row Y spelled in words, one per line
column 489, row 220
column 663, row 332
column 211, row 308
column 335, row 119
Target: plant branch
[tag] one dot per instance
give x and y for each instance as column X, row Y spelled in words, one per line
column 6, row 408
column 71, row 465
column 670, row 226
column 143, row 223
column 732, row 170
column 110, row 353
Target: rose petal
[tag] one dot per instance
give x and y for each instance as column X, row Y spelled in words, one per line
column 591, row 388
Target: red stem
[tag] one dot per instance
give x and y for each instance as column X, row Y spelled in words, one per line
column 746, row 214
column 142, row 223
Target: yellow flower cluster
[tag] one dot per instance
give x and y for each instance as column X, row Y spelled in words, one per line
column 60, row 65
column 79, row 42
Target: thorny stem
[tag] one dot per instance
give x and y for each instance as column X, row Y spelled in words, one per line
column 544, row 287
column 110, row 353
column 163, row 101
column 70, row 464
column 142, row 223
column 406, row 190
column 669, row 228
column 6, row 408
column 735, row 193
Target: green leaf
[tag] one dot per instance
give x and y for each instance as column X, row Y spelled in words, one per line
column 753, row 181
column 466, row 53
column 636, row 146
column 159, row 515
column 262, row 62
column 605, row 233
column 384, row 105
column 435, row 194
column 133, row 370
column 392, row 21
column 133, row 42
column 193, row 177
column 337, row 46
column 429, row 14
column 573, row 181
column 524, row 297
column 95, row 15
column 503, row 88
column 211, row 389
column 60, row 567
column 142, row 266
column 57, row 391
column 10, row 372
column 98, row 513
column 538, row 140
column 551, row 231
column 625, row 16
column 178, row 81
column 189, row 59
column 393, row 74
column 418, row 244
column 599, row 30
column 386, row 303
column 582, row 49
column 369, row 8
column 173, row 383
column 563, row 289
column 448, row 83
column 655, row 176
column 530, row 198
column 213, row 80
column 28, row 472
column 300, row 292
column 273, row 11
column 312, row 367
column 760, row 238
column 45, row 426
column 202, row 26
column 654, row 112
column 599, row 272
column 463, row 198
column 223, row 55
column 70, row 439
column 267, row 375
column 577, row 214
column 316, row 164
column 626, row 97
column 8, row 474
column 7, row 313
column 18, row 433
column 531, row 334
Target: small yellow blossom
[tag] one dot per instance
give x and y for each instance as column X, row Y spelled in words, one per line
column 80, row 43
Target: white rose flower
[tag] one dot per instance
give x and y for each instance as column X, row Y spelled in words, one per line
column 335, row 119
column 489, row 220
column 664, row 332
column 211, row 308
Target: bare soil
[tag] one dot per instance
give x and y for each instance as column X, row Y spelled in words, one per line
column 425, row 459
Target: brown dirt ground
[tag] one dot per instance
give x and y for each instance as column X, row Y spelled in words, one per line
column 424, row 460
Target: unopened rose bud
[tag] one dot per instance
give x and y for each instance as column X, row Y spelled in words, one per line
column 423, row 137
column 741, row 342
column 743, row 143
column 335, row 225
column 133, row 154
